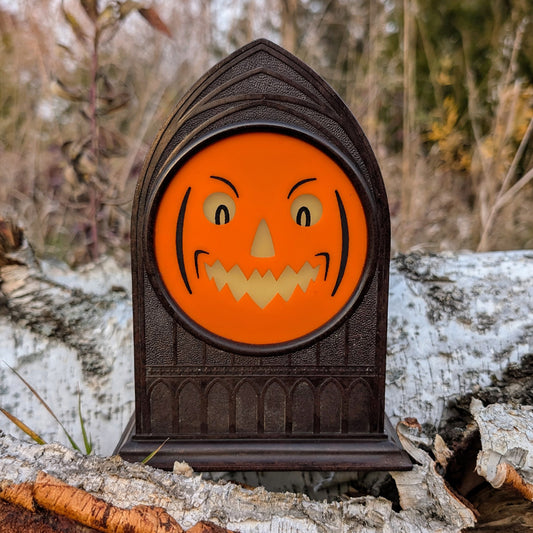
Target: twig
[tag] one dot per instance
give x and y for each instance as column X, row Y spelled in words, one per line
column 507, row 476
column 94, row 206
column 409, row 104
column 488, row 215
column 506, row 193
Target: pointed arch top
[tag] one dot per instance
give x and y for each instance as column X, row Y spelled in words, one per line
column 262, row 82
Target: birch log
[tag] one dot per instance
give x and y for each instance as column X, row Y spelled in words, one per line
column 456, row 323
column 189, row 499
column 507, row 445
column 67, row 332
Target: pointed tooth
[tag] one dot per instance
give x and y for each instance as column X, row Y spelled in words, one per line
column 304, row 276
column 218, row 273
column 287, row 283
column 209, row 270
column 262, row 289
column 237, row 282
column 315, row 272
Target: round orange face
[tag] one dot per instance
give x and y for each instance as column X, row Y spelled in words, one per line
column 260, row 238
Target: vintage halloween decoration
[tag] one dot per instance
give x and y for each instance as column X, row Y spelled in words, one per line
column 266, row 228
column 260, row 243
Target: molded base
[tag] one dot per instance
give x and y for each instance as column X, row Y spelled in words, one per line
column 375, row 452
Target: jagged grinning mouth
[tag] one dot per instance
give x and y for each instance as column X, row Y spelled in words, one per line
column 261, row 289
column 181, row 258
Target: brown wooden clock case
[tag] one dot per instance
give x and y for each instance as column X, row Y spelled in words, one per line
column 260, row 262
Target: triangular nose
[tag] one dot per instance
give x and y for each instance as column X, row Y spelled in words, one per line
column 262, row 245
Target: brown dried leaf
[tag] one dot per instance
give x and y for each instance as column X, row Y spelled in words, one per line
column 73, row 149
column 58, row 88
column 63, row 48
column 152, row 17
column 107, row 18
column 71, row 176
column 23, row 427
column 91, row 8
column 111, row 143
column 47, row 407
column 86, row 164
column 125, row 8
column 114, row 103
column 74, row 24
column 11, row 235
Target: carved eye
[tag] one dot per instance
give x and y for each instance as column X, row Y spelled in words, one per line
column 219, row 208
column 306, row 210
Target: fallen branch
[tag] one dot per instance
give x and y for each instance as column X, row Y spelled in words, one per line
column 104, row 485
column 76, row 504
column 423, row 487
column 506, row 460
column 60, row 499
column 507, row 476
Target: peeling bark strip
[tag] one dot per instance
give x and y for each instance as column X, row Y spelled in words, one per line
column 15, row 519
column 423, row 487
column 506, row 459
column 11, row 238
column 61, row 499
column 507, row 476
column 78, row 505
column 21, row 495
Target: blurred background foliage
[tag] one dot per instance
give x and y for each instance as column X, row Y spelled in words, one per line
column 443, row 90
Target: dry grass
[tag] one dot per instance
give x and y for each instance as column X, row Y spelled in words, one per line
column 458, row 170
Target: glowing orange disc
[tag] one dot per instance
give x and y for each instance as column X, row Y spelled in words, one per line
column 260, row 238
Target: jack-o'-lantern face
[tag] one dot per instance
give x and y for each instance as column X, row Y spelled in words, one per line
column 260, row 238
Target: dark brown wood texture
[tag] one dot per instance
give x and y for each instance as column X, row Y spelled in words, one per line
column 320, row 406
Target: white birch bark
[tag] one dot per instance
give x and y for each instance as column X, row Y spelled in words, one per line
column 455, row 322
column 189, row 499
column 66, row 331
column 507, row 440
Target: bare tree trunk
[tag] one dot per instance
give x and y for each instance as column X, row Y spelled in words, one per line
column 409, row 106
column 289, row 28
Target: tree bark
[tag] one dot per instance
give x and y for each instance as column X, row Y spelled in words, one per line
column 189, row 499
column 456, row 323
column 109, row 494
column 65, row 332
column 460, row 327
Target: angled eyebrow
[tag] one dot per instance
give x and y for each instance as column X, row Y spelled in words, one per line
column 301, row 182
column 227, row 182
